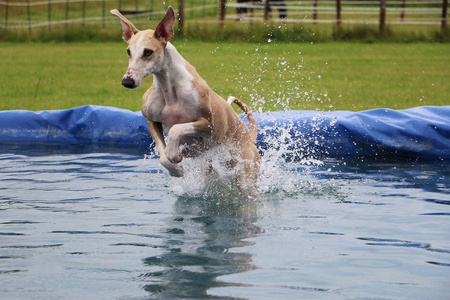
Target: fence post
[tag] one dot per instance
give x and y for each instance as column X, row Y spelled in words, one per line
column 152, row 4
column 180, row 16
column 103, row 13
column 67, row 13
column 338, row 15
column 382, row 15
column 84, row 11
column 6, row 14
column 252, row 11
column 29, row 17
column 222, row 12
column 444, row 14
column 266, row 9
column 402, row 13
column 315, row 11
column 49, row 14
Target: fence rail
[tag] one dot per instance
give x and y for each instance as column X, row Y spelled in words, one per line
column 29, row 14
column 419, row 12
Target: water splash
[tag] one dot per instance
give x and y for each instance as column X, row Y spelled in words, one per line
column 292, row 81
column 287, row 155
column 288, row 161
column 220, row 180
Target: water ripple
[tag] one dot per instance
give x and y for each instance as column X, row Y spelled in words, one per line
column 435, row 214
column 137, row 239
column 11, row 271
column 326, row 233
column 11, row 233
column 31, row 246
column 394, row 243
column 438, row 263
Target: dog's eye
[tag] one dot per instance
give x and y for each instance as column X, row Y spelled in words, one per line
column 147, row 52
column 128, row 52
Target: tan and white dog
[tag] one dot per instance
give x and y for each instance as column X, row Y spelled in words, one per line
column 194, row 117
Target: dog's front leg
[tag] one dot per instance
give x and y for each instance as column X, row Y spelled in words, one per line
column 156, row 131
column 200, row 128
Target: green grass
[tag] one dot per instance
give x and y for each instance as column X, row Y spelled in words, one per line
column 257, row 32
column 271, row 76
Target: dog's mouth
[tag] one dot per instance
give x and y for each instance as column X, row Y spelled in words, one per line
column 129, row 83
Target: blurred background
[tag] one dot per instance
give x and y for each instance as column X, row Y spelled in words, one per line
column 307, row 20
column 276, row 55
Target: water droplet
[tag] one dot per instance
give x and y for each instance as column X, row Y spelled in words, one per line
column 333, row 122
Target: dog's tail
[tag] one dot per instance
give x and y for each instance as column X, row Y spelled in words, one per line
column 248, row 113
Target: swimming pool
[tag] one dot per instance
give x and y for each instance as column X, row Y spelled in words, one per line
column 77, row 223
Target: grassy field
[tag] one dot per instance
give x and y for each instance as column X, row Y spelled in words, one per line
column 271, row 76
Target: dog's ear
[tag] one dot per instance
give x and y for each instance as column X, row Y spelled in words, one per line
column 164, row 30
column 127, row 27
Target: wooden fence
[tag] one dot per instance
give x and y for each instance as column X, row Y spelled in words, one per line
column 427, row 12
column 29, row 14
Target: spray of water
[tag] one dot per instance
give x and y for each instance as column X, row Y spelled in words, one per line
column 286, row 153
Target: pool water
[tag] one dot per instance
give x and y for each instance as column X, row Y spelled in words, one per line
column 77, row 224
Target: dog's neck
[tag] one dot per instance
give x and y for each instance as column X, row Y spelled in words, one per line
column 173, row 78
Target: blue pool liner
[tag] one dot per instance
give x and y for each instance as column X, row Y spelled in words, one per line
column 422, row 132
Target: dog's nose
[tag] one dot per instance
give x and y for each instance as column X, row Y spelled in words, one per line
column 128, row 82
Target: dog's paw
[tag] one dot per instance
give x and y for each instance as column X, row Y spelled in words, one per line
column 176, row 172
column 173, row 155
column 174, row 169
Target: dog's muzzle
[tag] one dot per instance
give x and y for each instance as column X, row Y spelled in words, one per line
column 128, row 82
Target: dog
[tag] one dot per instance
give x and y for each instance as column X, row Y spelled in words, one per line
column 181, row 103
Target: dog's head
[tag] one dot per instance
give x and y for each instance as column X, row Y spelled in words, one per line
column 145, row 48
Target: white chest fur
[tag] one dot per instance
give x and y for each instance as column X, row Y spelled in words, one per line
column 172, row 99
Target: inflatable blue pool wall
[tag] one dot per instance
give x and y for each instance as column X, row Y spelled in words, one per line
column 420, row 132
